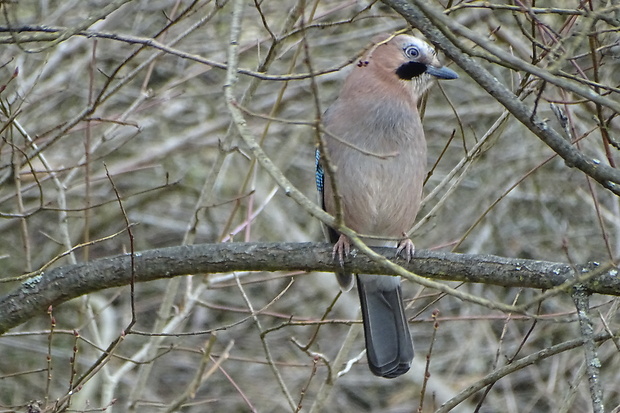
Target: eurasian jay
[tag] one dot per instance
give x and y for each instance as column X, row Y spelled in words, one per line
column 377, row 148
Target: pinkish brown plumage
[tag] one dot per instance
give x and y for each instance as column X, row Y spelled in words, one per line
column 379, row 174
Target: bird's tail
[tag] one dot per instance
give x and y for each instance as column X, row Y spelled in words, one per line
column 388, row 342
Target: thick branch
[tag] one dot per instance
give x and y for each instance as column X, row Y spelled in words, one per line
column 61, row 284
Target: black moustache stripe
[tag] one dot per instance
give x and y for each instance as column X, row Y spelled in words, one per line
column 409, row 70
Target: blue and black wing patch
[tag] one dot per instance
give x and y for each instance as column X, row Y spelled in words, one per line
column 320, row 183
column 320, row 174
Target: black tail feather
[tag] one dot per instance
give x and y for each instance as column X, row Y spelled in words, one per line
column 388, row 341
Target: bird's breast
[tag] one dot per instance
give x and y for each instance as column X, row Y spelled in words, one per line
column 380, row 159
column 386, row 196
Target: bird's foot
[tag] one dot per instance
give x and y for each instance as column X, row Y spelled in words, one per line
column 341, row 249
column 407, row 246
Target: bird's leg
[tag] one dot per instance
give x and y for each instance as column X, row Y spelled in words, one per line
column 341, row 249
column 407, row 246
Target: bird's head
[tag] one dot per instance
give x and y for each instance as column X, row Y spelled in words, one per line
column 408, row 59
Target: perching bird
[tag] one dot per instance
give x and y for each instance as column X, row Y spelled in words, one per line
column 376, row 145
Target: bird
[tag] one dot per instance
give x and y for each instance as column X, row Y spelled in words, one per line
column 376, row 149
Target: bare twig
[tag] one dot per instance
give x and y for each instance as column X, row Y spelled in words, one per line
column 441, row 31
column 592, row 361
column 517, row 365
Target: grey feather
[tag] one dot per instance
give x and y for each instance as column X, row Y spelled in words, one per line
column 389, row 348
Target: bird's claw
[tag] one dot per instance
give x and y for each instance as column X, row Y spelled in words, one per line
column 341, row 249
column 407, row 246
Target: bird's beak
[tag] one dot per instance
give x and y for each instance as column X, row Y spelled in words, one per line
column 441, row 72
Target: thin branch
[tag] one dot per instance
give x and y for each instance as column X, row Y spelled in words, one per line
column 328, row 385
column 517, row 365
column 442, row 31
column 53, row 33
column 231, row 79
column 592, row 362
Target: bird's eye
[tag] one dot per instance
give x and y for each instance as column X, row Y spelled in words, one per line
column 412, row 52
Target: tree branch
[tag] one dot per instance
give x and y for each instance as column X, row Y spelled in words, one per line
column 593, row 362
column 61, row 284
column 53, row 34
column 442, row 31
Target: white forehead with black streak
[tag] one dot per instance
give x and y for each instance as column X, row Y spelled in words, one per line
column 401, row 61
column 406, row 56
